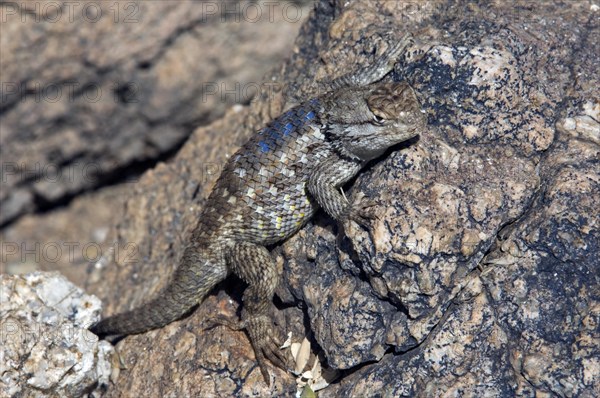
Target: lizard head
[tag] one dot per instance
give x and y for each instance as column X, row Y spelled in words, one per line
column 368, row 120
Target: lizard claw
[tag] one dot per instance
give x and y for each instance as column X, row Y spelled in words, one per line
column 363, row 210
column 265, row 345
column 221, row 320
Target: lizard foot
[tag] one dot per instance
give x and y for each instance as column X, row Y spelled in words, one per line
column 265, row 344
column 363, row 210
column 261, row 334
column 221, row 320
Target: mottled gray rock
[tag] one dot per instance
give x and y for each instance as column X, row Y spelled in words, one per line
column 488, row 235
column 92, row 91
column 45, row 348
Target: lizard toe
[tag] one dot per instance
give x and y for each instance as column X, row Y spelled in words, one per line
column 220, row 320
column 363, row 210
column 266, row 346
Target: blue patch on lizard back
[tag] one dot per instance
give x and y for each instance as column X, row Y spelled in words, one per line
column 263, row 146
column 287, row 124
column 288, row 129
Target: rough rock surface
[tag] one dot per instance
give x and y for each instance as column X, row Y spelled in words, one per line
column 481, row 275
column 45, row 347
column 91, row 90
column 53, row 242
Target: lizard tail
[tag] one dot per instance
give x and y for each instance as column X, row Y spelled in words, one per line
column 192, row 281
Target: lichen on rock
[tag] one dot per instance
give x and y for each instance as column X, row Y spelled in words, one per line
column 45, row 348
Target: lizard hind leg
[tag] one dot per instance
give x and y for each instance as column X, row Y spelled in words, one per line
column 255, row 265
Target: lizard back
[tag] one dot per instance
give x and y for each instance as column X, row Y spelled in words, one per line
column 261, row 196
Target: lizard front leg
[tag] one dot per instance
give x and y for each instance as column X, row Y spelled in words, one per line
column 324, row 184
column 255, row 265
column 378, row 69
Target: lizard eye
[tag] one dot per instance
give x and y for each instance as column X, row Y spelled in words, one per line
column 378, row 120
